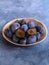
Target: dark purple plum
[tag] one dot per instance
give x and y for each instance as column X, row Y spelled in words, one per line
column 24, row 22
column 32, row 24
column 14, row 27
column 39, row 29
column 8, row 33
column 24, row 27
column 18, row 21
column 38, row 35
column 31, row 39
column 23, row 41
column 15, row 39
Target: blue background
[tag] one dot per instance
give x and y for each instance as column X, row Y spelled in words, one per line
column 33, row 55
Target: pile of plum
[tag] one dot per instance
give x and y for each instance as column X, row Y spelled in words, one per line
column 24, row 32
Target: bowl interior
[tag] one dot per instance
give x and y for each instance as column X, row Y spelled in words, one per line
column 28, row 19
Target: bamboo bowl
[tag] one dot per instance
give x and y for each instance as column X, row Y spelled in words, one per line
column 28, row 19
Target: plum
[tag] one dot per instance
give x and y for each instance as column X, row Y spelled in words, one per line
column 14, row 27
column 24, row 27
column 8, row 33
column 31, row 39
column 32, row 24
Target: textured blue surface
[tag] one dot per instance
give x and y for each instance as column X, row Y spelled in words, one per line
column 33, row 55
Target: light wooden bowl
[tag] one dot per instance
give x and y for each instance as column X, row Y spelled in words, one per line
column 28, row 19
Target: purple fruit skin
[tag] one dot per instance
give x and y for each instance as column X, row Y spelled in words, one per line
column 14, row 26
column 23, row 22
column 31, row 39
column 8, row 33
column 24, row 27
column 15, row 39
column 23, row 41
column 40, row 29
column 32, row 24
column 18, row 21
column 38, row 35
